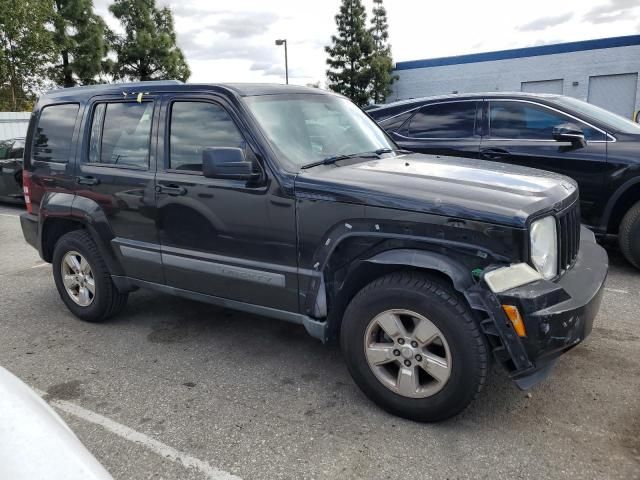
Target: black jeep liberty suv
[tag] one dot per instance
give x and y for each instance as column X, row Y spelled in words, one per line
column 291, row 203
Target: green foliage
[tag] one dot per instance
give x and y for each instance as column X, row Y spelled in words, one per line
column 147, row 50
column 350, row 53
column 381, row 62
column 27, row 49
column 80, row 35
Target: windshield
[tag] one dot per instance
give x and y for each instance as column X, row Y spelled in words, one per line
column 306, row 128
column 615, row 121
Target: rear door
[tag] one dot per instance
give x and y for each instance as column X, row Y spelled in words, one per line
column 443, row 128
column 520, row 132
column 117, row 171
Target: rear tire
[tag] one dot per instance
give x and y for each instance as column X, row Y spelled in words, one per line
column 83, row 280
column 629, row 235
column 441, row 385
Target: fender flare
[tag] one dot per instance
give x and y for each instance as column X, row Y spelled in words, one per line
column 85, row 212
column 459, row 275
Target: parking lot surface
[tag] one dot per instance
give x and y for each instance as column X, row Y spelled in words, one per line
column 177, row 389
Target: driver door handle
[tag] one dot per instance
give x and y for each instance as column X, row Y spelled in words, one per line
column 174, row 190
column 494, row 153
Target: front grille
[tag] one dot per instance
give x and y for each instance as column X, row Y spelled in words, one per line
column 569, row 235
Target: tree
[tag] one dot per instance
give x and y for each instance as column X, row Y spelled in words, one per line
column 350, row 53
column 381, row 62
column 147, row 50
column 27, row 49
column 80, row 35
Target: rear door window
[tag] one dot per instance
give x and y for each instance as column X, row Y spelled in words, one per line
column 444, row 120
column 120, row 134
column 54, row 133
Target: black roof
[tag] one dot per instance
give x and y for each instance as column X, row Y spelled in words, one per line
column 242, row 89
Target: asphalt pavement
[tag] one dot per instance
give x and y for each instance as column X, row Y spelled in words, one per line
column 176, row 389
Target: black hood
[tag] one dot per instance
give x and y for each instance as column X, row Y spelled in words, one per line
column 451, row 186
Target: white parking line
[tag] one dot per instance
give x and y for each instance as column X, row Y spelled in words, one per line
column 616, row 290
column 8, row 215
column 152, row 444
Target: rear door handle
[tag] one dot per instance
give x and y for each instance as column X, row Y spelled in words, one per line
column 87, row 181
column 171, row 189
column 494, row 153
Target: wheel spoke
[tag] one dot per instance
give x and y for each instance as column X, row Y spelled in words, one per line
column 83, row 296
column 379, row 353
column 391, row 324
column 69, row 281
column 73, row 263
column 407, row 382
column 84, row 266
column 437, row 367
column 425, row 332
column 91, row 285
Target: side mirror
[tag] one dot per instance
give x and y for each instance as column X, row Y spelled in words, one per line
column 226, row 163
column 569, row 132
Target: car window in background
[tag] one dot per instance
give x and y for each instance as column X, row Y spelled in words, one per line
column 195, row 126
column 444, row 120
column 120, row 134
column 17, row 149
column 5, row 149
column 526, row 121
column 305, row 128
column 616, row 122
column 54, row 132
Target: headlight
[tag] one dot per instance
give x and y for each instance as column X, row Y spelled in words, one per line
column 544, row 246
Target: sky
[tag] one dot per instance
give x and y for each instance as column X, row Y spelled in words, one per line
column 234, row 41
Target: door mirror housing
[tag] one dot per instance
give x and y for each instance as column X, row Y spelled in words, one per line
column 226, row 163
column 569, row 132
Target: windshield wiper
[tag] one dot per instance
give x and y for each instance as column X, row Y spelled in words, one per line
column 336, row 158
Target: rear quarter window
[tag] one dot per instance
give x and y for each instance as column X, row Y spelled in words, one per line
column 54, row 133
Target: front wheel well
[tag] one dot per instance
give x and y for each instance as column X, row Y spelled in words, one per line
column 52, row 230
column 363, row 275
column 622, row 206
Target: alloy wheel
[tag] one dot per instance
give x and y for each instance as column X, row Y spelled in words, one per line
column 407, row 353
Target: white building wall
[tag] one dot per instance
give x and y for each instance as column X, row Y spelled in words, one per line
column 508, row 75
column 13, row 124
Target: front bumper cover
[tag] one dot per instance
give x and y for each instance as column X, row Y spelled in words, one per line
column 557, row 314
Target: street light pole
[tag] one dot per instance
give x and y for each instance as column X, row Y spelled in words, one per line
column 279, row 42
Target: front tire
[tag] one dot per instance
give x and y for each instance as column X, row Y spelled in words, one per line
column 629, row 235
column 83, row 280
column 413, row 347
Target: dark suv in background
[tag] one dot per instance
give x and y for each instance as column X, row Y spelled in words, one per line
column 598, row 149
column 11, row 153
column 291, row 203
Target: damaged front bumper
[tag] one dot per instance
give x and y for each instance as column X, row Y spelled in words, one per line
column 557, row 315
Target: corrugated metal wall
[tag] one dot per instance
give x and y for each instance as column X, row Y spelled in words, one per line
column 13, row 124
column 569, row 73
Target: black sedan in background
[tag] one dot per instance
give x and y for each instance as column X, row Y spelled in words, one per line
column 597, row 148
column 11, row 153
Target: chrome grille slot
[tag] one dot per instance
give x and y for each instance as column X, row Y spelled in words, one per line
column 569, row 236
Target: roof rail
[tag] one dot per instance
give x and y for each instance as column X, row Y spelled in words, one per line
column 147, row 83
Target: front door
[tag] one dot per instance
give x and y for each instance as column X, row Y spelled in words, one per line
column 226, row 238
column 520, row 132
